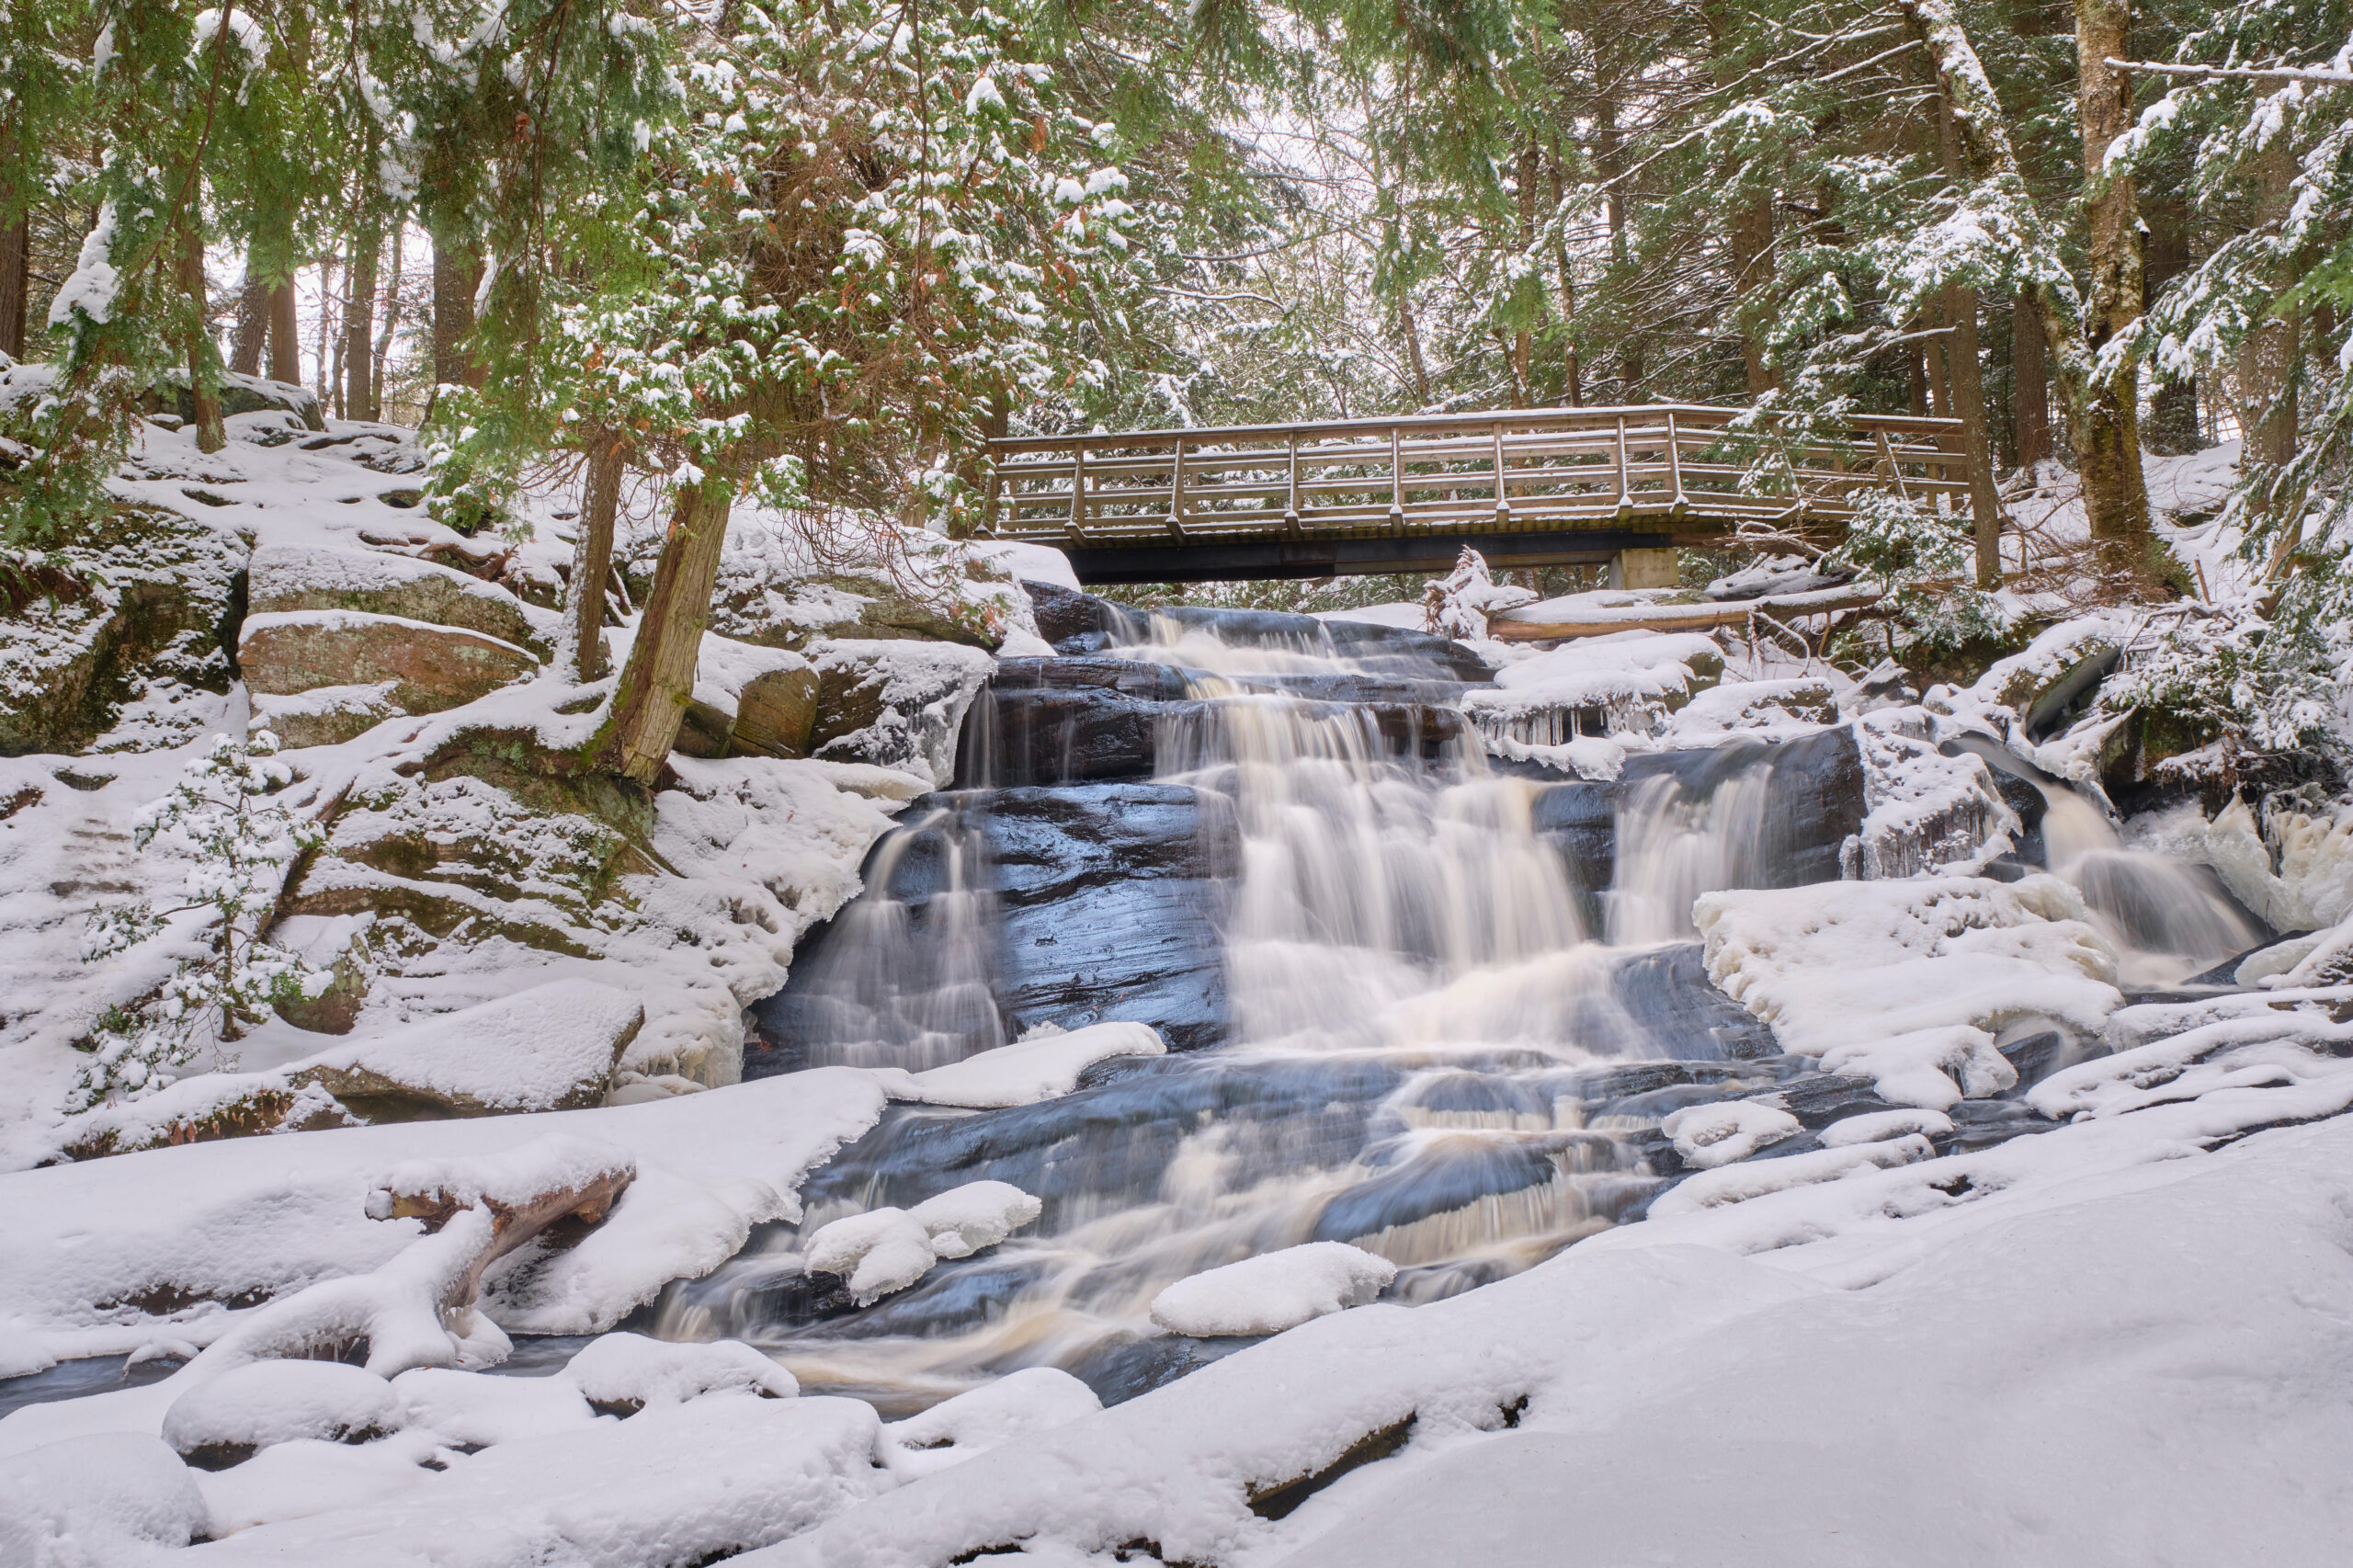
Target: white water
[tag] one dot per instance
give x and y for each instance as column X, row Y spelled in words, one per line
column 2167, row 919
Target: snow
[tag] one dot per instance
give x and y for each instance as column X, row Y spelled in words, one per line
column 1742, row 1183
column 1874, row 1125
column 1934, row 1068
column 479, row 1409
column 264, row 1402
column 634, row 1372
column 1852, row 967
column 102, row 1502
column 1274, row 1292
column 1031, row 1070
column 886, row 1250
column 1028, row 562
column 1635, row 678
column 534, row 1050
column 1710, row 1135
column 1020, row 1405
column 210, row 1221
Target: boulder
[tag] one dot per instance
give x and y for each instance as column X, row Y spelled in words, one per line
column 896, row 704
column 240, row 394
column 749, row 701
column 148, row 602
column 551, row 1048
column 430, row 667
column 327, row 716
column 297, row 577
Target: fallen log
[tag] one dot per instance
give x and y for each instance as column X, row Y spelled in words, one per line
column 1685, row 617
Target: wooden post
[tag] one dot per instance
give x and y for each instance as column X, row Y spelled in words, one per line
column 1176, row 490
column 1680, row 503
column 991, row 509
column 1625, row 496
column 1291, row 513
column 1396, row 483
column 1503, row 501
column 1077, row 493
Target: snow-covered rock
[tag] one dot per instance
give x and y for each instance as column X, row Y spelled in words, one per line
column 478, row 1409
column 430, row 667
column 886, row 1250
column 895, row 703
column 1627, row 683
column 227, row 1419
column 98, row 1502
column 315, row 578
column 551, row 1048
column 1274, row 1292
column 623, row 1373
column 1876, row 1126
column 1020, row 1405
column 1037, row 1068
column 1710, row 1135
column 1884, row 973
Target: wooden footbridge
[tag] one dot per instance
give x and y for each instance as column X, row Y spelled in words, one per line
column 1528, row 487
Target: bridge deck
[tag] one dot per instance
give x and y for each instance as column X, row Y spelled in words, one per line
column 1528, row 487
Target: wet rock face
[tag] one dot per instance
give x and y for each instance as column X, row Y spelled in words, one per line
column 1817, row 798
column 1106, row 902
column 1087, row 718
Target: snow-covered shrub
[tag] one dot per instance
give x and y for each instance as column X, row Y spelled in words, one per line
column 2231, row 674
column 243, row 845
column 1925, row 560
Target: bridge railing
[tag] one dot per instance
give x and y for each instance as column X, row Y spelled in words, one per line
column 1526, row 469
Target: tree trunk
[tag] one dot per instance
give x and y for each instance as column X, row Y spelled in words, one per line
column 1976, row 444
column 457, row 273
column 1752, row 246
column 1630, row 368
column 1411, row 331
column 16, row 284
column 2266, row 360
column 592, row 557
column 2106, row 424
column 391, row 325
column 2031, row 381
column 655, row 684
column 2173, row 406
column 284, row 333
column 1572, row 373
column 252, row 330
column 203, row 384
column 359, row 320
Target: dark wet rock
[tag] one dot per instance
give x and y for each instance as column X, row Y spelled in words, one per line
column 1115, row 1139
column 1816, row 800
column 1817, row 1100
column 1981, row 1124
column 1073, row 621
column 952, row 1299
column 2039, row 1055
column 2227, row 972
column 1439, row 1175
column 1667, row 993
column 1122, row 1369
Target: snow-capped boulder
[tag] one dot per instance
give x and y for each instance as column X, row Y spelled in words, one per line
column 749, row 701
column 621, row 1374
column 551, row 1048
column 1014, row 1406
column 1710, row 1135
column 227, row 1419
column 886, row 1250
column 1273, row 1292
column 898, row 704
column 111, row 1498
column 430, row 667
column 288, row 577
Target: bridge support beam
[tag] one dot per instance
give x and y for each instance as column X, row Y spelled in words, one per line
column 1205, row 560
column 1648, row 568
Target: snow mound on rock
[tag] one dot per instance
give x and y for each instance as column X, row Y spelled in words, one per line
column 225, row 1419
column 1016, row 1405
column 886, row 1250
column 1273, row 1292
column 550, row 1047
column 633, row 1372
column 97, row 1501
column 1711, row 1135
column 1026, row 1071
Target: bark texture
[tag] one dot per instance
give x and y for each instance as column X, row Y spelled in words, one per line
column 592, row 557
column 16, row 285
column 2032, row 377
column 658, row 680
column 457, row 273
column 2106, row 428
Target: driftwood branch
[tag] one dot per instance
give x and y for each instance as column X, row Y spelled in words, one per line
column 1685, row 618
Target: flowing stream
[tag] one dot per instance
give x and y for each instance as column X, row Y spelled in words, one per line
column 1438, row 1045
